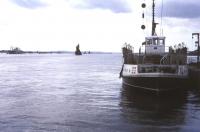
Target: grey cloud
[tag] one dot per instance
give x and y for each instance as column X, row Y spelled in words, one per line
column 182, row 9
column 116, row 6
column 32, row 4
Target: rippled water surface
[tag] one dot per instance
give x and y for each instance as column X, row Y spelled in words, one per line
column 63, row 92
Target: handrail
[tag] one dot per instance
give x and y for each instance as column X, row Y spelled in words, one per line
column 156, row 65
column 143, row 49
column 157, row 69
column 164, row 57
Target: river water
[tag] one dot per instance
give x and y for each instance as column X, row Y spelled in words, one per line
column 63, row 92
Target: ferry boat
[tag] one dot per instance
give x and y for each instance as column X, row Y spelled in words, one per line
column 158, row 68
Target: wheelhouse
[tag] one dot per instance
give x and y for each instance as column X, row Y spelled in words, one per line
column 154, row 45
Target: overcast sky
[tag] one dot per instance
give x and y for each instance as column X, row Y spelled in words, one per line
column 97, row 25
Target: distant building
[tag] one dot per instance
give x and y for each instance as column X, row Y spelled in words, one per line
column 15, row 50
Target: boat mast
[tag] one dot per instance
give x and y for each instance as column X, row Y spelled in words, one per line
column 153, row 19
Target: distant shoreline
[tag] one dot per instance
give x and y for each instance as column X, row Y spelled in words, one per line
column 190, row 53
column 57, row 52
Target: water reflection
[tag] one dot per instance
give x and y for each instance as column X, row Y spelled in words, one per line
column 194, row 99
column 197, row 84
column 160, row 112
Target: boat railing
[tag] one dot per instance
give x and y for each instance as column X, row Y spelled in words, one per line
column 163, row 59
column 142, row 50
column 157, row 69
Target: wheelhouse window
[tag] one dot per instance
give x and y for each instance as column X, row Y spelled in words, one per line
column 155, row 41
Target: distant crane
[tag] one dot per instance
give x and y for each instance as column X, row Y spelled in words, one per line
column 197, row 43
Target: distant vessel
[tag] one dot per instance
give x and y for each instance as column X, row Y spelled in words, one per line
column 78, row 52
column 15, row 50
column 155, row 69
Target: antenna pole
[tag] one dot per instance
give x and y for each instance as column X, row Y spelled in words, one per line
column 153, row 20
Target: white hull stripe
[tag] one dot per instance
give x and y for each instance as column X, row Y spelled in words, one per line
column 146, row 88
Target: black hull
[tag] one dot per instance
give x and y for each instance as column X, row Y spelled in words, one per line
column 78, row 53
column 156, row 84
